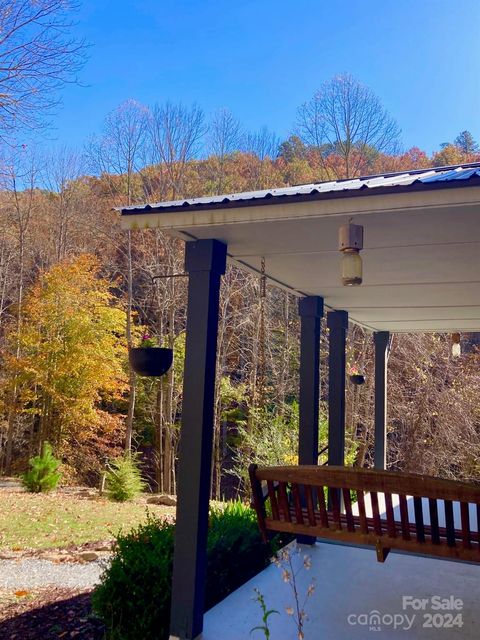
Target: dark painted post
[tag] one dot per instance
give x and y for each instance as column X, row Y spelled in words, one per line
column 381, row 340
column 337, row 322
column 205, row 262
column 311, row 311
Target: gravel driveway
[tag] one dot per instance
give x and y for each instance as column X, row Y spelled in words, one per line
column 29, row 573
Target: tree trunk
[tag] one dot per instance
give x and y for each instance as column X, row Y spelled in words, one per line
column 12, row 414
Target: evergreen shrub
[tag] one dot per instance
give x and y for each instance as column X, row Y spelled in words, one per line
column 43, row 474
column 134, row 596
column 124, row 479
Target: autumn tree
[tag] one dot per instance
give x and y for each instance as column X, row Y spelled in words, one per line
column 264, row 143
column 18, row 178
column 262, row 148
column 61, row 173
column 466, row 143
column 38, row 55
column 175, row 136
column 71, row 354
column 293, row 149
column 118, row 154
column 296, row 161
column 448, row 155
column 345, row 118
column 224, row 137
column 463, row 149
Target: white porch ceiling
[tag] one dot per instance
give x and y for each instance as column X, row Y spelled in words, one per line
column 421, row 257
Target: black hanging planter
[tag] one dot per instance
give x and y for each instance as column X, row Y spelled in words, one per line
column 150, row 361
column 357, row 378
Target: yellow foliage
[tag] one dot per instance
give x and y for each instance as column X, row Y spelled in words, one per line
column 72, row 349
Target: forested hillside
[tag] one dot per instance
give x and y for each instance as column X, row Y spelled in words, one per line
column 75, row 291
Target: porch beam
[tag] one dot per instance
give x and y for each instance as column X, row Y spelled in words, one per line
column 337, row 323
column 205, row 261
column 381, row 340
column 311, row 311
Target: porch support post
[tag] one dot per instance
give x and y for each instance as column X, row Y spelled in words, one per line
column 205, row 262
column 311, row 311
column 337, row 322
column 381, row 340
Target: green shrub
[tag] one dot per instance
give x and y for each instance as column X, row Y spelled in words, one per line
column 42, row 475
column 270, row 439
column 235, row 550
column 123, row 478
column 134, row 596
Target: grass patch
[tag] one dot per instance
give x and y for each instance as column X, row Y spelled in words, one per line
column 65, row 517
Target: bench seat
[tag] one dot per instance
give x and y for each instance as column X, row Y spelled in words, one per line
column 357, row 506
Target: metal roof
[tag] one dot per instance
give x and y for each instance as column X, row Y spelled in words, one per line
column 436, row 177
column 421, row 247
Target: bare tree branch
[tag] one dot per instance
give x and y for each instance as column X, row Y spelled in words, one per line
column 37, row 56
column 224, row 137
column 118, row 152
column 347, row 119
column 263, row 143
column 175, row 135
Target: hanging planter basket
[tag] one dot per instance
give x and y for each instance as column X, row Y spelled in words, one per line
column 357, row 378
column 150, row 361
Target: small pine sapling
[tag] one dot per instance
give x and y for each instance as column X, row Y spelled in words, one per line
column 42, row 475
column 124, row 479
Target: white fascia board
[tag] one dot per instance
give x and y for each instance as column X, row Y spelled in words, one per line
column 189, row 219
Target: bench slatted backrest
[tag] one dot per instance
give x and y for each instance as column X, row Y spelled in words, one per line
column 357, row 506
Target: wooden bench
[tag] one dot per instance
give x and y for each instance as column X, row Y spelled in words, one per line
column 342, row 504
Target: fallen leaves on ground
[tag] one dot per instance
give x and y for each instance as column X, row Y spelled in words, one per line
column 49, row 614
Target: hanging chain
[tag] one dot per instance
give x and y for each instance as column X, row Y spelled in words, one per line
column 263, row 280
column 262, row 336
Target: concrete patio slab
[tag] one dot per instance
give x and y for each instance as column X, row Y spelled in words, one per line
column 357, row 598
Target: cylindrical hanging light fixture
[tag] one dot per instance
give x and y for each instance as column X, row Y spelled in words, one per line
column 456, row 348
column 350, row 243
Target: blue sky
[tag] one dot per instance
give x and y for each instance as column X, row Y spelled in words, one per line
column 263, row 58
